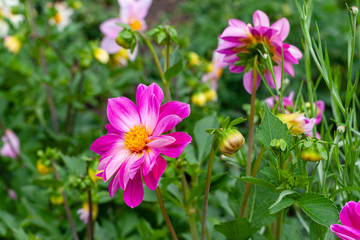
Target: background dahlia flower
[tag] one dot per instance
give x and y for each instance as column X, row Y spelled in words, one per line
column 62, row 17
column 242, row 42
column 8, row 16
column 131, row 150
column 11, row 147
column 132, row 13
column 350, row 218
column 298, row 123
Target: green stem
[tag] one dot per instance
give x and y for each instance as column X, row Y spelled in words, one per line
column 164, row 213
column 279, row 222
column 207, row 188
column 243, row 210
column 90, row 224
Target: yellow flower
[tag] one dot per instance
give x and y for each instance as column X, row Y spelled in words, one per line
column 199, row 99
column 13, row 44
column 57, row 199
column 194, row 59
column 294, row 120
column 211, row 95
column 92, row 176
column 121, row 57
column 42, row 168
column 101, row 55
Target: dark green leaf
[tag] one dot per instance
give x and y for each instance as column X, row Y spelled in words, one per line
column 237, row 229
column 174, row 70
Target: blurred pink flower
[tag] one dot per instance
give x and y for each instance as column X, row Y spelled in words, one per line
column 131, row 149
column 133, row 13
column 287, row 101
column 12, row 194
column 350, row 218
column 11, row 147
column 241, row 38
column 216, row 68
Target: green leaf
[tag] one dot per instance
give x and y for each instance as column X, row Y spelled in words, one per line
column 75, row 164
column 258, row 181
column 319, row 208
column 174, row 70
column 271, row 128
column 237, row 229
column 284, row 203
column 237, row 121
column 202, row 138
column 19, row 234
column 322, row 151
column 216, row 183
column 47, row 182
column 225, row 123
column 281, row 196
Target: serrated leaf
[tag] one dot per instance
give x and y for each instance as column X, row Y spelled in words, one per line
column 202, row 138
column 174, row 70
column 284, row 203
column 237, row 229
column 282, row 195
column 75, row 164
column 258, row 181
column 319, row 208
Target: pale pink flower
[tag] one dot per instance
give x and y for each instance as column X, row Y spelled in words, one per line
column 287, row 101
column 131, row 150
column 133, row 13
column 11, row 147
column 350, row 218
column 12, row 194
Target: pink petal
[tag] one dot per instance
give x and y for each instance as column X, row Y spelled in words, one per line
column 166, row 124
column 122, row 114
column 295, row 52
column 227, row 47
column 237, row 23
column 289, row 69
column 149, row 109
column 152, row 178
column 321, row 107
column 309, row 125
column 110, row 29
column 345, row 232
column 269, row 79
column 111, row 129
column 160, row 141
column 236, row 69
column 150, row 156
column 132, row 56
column 260, row 19
column 134, row 191
column 111, row 161
column 131, row 167
column 147, row 90
column 11, row 147
column 233, row 34
column 110, row 45
column 349, row 216
column 174, row 107
column 283, row 27
column 114, row 184
column 107, row 142
column 175, row 149
column 248, row 81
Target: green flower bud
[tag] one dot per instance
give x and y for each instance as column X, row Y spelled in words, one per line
column 230, row 141
column 125, row 39
column 311, row 154
column 354, row 10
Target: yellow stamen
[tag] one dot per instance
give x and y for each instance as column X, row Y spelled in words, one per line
column 57, row 18
column 135, row 24
column 136, row 138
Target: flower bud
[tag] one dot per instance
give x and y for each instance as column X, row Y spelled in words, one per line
column 211, row 95
column 13, row 44
column 42, row 168
column 310, row 154
column 341, row 129
column 194, row 59
column 199, row 99
column 124, row 39
column 230, row 141
column 101, row 55
column 354, row 10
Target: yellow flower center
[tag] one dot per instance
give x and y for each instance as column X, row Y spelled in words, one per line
column 135, row 24
column 136, row 138
column 220, row 71
column 57, row 18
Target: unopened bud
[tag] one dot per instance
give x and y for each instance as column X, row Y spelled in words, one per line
column 194, row 59
column 42, row 168
column 230, row 141
column 310, row 154
column 211, row 95
column 341, row 129
column 101, row 55
column 13, row 44
column 199, row 99
column 354, row 10
column 124, row 39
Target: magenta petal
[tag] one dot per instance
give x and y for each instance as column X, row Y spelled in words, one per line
column 134, row 191
column 148, row 90
column 283, row 27
column 130, row 168
column 269, row 78
column 175, row 149
column 150, row 156
column 114, row 184
column 110, row 29
column 113, row 160
column 233, row 34
column 166, row 124
column 321, row 108
column 152, row 178
column 174, row 107
column 248, row 81
column 237, row 23
column 140, row 89
column 345, row 232
column 160, row 141
column 107, row 142
column 295, row 52
column 349, row 216
column 288, row 68
column 149, row 112
column 227, row 47
column 260, row 19
column 122, row 114
column 111, row 129
column 236, row 69
column 110, row 45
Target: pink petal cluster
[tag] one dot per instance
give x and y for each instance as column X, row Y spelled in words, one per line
column 350, row 218
column 133, row 13
column 11, row 147
column 238, row 37
column 218, row 64
column 287, row 101
column 131, row 150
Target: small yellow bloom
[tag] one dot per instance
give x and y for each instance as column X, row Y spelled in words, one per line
column 57, row 199
column 121, row 57
column 95, row 209
column 42, row 168
column 199, row 99
column 76, row 5
column 92, row 176
column 209, row 67
column 211, row 95
column 13, row 44
column 294, row 120
column 194, row 59
column 101, row 55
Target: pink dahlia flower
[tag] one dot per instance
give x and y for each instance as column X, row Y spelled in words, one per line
column 11, row 147
column 243, row 41
column 350, row 218
column 133, row 13
column 216, row 69
column 131, row 150
column 287, row 101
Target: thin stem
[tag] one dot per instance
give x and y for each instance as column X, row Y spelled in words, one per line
column 207, row 188
column 243, row 210
column 206, row 229
column 164, row 213
column 279, row 221
column 66, row 206
column 90, row 224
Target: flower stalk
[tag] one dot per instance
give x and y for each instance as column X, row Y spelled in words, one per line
column 166, row 217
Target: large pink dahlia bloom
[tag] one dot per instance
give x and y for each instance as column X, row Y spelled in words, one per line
column 131, row 149
column 133, row 13
column 350, row 218
column 243, row 41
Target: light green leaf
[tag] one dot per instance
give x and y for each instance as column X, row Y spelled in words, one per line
column 281, row 196
column 75, row 164
column 174, row 70
column 237, row 229
column 258, row 181
column 203, row 139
